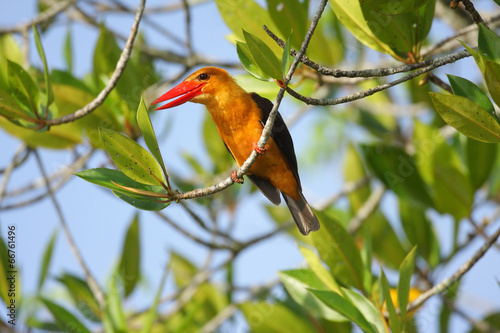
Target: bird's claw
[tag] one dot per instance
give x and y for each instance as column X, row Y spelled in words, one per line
column 235, row 177
column 260, row 151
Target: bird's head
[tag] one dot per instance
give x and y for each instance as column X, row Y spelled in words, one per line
column 205, row 86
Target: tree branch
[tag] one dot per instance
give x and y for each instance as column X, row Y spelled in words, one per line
column 120, row 67
column 438, row 62
column 93, row 285
column 448, row 282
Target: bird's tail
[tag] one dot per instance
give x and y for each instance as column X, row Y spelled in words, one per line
column 302, row 213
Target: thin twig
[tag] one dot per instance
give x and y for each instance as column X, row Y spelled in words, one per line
column 48, row 14
column 366, row 210
column 226, row 313
column 440, row 83
column 346, row 189
column 91, row 281
column 438, row 62
column 448, row 282
column 269, row 123
column 120, row 67
column 8, row 170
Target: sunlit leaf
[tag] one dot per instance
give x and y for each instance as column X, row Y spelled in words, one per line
column 220, row 156
column 263, row 56
column 466, row 88
column 317, row 267
column 367, row 309
column 274, row 318
column 68, row 51
column 394, row 320
column 148, row 133
column 492, row 77
column 132, row 159
column 286, row 57
column 297, row 282
column 405, row 273
column 248, row 62
column 46, row 74
column 467, row 117
column 23, row 88
column 345, row 307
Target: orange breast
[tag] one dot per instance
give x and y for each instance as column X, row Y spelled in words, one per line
column 240, row 131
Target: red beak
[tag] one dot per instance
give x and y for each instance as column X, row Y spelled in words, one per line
column 187, row 90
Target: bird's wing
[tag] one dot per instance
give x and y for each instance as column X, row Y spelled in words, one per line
column 279, row 133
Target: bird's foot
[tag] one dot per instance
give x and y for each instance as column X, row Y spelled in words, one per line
column 260, row 151
column 235, row 177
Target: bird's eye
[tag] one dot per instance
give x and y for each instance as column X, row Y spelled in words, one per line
column 203, row 76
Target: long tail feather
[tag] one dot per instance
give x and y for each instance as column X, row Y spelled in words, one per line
column 302, row 213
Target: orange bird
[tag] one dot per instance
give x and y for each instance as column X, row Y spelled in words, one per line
column 240, row 118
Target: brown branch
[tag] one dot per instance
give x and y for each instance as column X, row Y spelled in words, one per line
column 120, row 67
column 10, row 167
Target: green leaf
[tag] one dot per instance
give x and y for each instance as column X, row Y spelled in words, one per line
column 397, row 35
column 183, row 269
column 467, row 117
column 419, row 231
column 480, row 159
column 405, row 273
column 23, row 88
column 466, row 88
column 9, row 50
column 46, row 260
column 10, row 108
column 488, row 44
column 398, row 171
column 338, row 250
column 317, row 267
column 112, row 178
column 298, row 282
column 452, row 189
column 394, row 320
column 477, row 57
column 46, row 74
column 264, row 317
column 367, row 309
column 68, row 51
column 143, row 203
column 367, row 257
column 248, row 62
column 247, row 14
column 114, row 313
column 493, row 320
column 286, row 57
column 132, row 159
column 491, row 75
column 148, row 133
column 264, row 57
column 290, row 15
column 152, row 313
column 345, row 307
column 65, row 320
column 82, row 296
column 129, row 265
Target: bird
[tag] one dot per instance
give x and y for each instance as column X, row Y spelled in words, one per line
column 240, row 118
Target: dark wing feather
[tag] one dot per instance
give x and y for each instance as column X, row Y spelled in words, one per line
column 279, row 133
column 264, row 186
